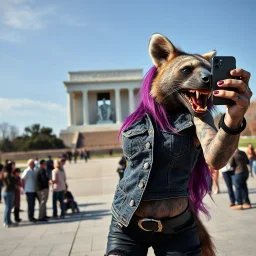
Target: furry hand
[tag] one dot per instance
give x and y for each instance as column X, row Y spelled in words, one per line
column 241, row 97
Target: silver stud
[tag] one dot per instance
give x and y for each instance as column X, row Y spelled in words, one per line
column 132, row 203
column 150, row 131
column 141, row 184
column 147, row 145
column 146, row 165
column 129, row 132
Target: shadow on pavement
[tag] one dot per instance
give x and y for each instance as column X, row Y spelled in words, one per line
column 90, row 204
column 82, row 216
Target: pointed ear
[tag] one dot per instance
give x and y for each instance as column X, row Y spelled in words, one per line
column 161, row 49
column 208, row 56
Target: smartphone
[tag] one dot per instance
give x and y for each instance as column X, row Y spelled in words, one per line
column 221, row 67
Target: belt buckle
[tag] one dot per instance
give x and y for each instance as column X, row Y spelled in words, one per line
column 159, row 224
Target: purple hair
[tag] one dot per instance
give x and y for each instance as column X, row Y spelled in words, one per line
column 148, row 105
column 200, row 176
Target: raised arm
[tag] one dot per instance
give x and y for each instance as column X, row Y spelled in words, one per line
column 218, row 146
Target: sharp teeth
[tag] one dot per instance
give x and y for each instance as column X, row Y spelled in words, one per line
column 205, row 108
column 197, row 94
column 192, row 91
column 209, row 95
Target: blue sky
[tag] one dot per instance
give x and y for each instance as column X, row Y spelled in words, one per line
column 40, row 41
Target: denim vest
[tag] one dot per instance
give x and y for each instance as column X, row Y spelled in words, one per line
column 159, row 164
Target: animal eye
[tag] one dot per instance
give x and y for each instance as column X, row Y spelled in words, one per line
column 186, row 70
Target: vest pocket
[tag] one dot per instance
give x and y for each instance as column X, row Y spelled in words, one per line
column 175, row 145
column 119, row 197
column 133, row 141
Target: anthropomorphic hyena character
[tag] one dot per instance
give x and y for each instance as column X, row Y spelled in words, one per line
column 168, row 142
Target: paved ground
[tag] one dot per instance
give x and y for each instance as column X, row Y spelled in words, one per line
column 85, row 234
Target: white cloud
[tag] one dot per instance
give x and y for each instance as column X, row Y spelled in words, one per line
column 24, row 15
column 28, row 107
column 25, row 112
column 19, row 14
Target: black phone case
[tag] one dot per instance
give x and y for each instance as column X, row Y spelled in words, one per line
column 221, row 67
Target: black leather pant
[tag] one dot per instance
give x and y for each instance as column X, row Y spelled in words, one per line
column 133, row 241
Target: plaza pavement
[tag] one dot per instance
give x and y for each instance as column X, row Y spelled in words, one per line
column 85, row 234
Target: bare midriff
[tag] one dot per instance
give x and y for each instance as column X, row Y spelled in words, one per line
column 162, row 208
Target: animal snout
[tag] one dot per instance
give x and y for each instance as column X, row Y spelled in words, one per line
column 206, row 78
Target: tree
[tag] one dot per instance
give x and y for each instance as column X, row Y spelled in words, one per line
column 4, row 130
column 34, row 137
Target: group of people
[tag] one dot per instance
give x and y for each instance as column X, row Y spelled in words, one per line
column 73, row 155
column 35, row 182
column 236, row 174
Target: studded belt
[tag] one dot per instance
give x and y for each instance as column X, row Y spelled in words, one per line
column 165, row 225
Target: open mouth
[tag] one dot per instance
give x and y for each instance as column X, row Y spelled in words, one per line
column 198, row 99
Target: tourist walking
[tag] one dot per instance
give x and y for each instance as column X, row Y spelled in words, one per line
column 28, row 178
column 16, row 204
column 59, row 186
column 76, row 154
column 251, row 154
column 239, row 162
column 85, row 156
column 227, row 173
column 43, row 190
column 9, row 183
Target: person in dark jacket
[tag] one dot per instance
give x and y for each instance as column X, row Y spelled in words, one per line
column 239, row 162
column 16, row 204
column 43, row 190
column 121, row 167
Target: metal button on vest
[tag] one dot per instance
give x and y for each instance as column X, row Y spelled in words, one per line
column 147, row 145
column 146, row 165
column 129, row 132
column 150, row 131
column 132, row 203
column 141, row 184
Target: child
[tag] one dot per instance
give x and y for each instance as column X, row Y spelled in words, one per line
column 69, row 202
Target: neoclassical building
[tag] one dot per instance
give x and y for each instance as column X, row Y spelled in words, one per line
column 98, row 102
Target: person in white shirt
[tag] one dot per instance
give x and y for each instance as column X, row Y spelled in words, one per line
column 227, row 173
column 28, row 178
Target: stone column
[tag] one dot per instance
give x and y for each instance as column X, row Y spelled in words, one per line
column 131, row 100
column 118, row 106
column 70, row 109
column 85, row 107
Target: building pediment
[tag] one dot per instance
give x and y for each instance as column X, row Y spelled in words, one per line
column 100, row 76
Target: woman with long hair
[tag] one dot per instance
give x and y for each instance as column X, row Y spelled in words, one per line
column 9, row 183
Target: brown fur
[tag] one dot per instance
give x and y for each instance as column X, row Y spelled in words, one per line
column 208, row 247
column 166, row 88
column 171, row 81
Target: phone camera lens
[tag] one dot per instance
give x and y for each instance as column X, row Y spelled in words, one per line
column 216, row 61
column 216, row 66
